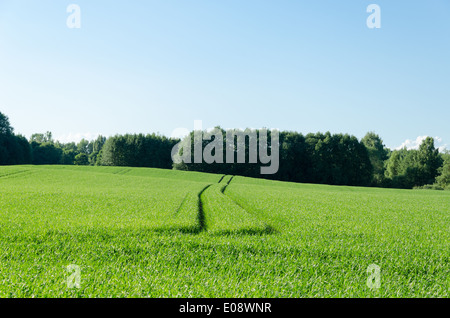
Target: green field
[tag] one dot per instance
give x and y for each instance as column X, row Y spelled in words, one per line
column 137, row 232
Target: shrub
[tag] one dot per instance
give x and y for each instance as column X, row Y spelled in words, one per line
column 429, row 187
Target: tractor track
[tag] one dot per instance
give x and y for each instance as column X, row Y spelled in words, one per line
column 201, row 216
column 202, row 213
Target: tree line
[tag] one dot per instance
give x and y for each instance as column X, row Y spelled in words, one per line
column 315, row 158
column 324, row 158
column 341, row 159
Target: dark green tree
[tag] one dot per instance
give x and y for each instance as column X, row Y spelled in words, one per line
column 443, row 180
column 84, row 146
column 42, row 138
column 378, row 154
column 81, row 159
column 411, row 168
column 68, row 156
column 429, row 162
column 14, row 149
column 97, row 146
column 46, row 153
column 5, row 127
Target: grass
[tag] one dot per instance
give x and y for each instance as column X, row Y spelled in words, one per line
column 224, row 216
column 139, row 232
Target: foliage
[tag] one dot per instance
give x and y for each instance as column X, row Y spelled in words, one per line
column 429, row 187
column 5, row 126
column 138, row 151
column 81, row 159
column 14, row 149
column 46, row 153
column 412, row 168
column 443, row 179
column 378, row 154
column 315, row 158
column 42, row 138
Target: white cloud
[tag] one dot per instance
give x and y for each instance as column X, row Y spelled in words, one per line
column 412, row 144
column 76, row 137
column 415, row 144
column 443, row 148
column 180, row 133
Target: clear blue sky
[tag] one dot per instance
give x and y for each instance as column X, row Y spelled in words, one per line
column 154, row 66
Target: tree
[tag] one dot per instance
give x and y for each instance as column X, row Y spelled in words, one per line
column 138, row 151
column 443, row 180
column 410, row 168
column 5, row 127
column 46, row 153
column 114, row 152
column 24, row 154
column 41, row 138
column 81, row 159
column 84, row 146
column 378, row 154
column 13, row 149
column 97, row 146
column 429, row 161
column 394, row 163
column 8, row 150
column 316, row 158
column 294, row 159
column 68, row 156
column 338, row 159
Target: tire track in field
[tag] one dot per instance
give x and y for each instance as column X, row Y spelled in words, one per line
column 123, row 171
column 189, row 217
column 201, row 213
column 15, row 174
column 222, row 178
column 268, row 227
column 181, row 205
column 225, row 186
column 262, row 229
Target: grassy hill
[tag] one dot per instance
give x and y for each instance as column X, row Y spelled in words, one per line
column 138, row 232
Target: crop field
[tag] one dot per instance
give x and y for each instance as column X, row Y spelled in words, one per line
column 138, row 232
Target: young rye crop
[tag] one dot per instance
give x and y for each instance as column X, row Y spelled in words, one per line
column 137, row 232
